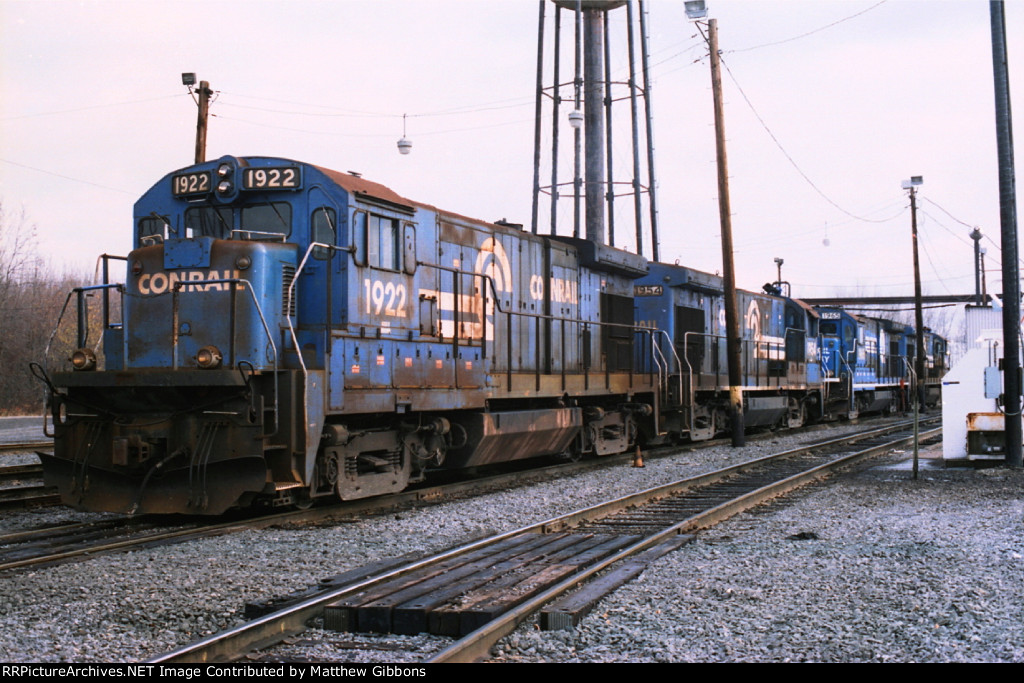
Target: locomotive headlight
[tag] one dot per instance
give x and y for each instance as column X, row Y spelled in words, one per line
column 83, row 359
column 136, row 267
column 224, row 170
column 225, row 187
column 243, row 262
column 209, row 357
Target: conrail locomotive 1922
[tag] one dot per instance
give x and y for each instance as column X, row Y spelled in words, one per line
column 284, row 333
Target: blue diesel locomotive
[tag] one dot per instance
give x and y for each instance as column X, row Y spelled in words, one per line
column 291, row 332
column 286, row 332
column 799, row 364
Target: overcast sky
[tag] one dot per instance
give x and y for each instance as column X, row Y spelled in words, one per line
column 858, row 94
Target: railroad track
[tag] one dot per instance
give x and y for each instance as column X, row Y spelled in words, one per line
column 27, row 497
column 26, row 446
column 481, row 591
column 67, row 543
column 22, row 488
column 20, row 472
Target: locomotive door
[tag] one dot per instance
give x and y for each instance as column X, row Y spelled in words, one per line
column 313, row 289
column 795, row 334
column 461, row 305
column 831, row 349
column 316, row 305
column 690, row 347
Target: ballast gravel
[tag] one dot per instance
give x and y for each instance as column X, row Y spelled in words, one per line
column 873, row 566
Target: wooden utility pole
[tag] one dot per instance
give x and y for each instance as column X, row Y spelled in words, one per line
column 919, row 365
column 732, row 317
column 204, row 111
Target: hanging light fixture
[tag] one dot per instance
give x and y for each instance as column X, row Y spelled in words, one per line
column 576, row 118
column 405, row 144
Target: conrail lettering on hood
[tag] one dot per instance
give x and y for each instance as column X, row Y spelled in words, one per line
column 158, row 283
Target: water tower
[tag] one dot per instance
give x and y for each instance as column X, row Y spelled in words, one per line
column 587, row 102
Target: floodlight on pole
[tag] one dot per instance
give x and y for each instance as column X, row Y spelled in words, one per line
column 695, row 9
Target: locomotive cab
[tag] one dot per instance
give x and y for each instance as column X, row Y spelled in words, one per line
column 191, row 407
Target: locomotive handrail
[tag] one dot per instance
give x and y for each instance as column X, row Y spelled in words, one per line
column 289, row 299
column 750, row 348
column 291, row 328
column 105, row 260
column 274, row 235
column 526, row 314
column 795, row 331
column 658, row 353
column 849, row 373
column 237, row 283
column 689, row 370
column 82, row 330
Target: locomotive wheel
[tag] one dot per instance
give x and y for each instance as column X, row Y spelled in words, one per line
column 570, row 454
column 302, row 501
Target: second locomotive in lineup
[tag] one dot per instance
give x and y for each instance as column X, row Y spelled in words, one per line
column 287, row 333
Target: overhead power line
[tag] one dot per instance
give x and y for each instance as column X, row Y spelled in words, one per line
column 93, row 106
column 67, row 177
column 808, row 33
column 793, row 161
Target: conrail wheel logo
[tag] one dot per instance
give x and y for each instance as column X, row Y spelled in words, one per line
column 492, row 261
column 754, row 320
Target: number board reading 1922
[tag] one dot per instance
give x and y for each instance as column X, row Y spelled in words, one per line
column 287, row 178
column 190, row 183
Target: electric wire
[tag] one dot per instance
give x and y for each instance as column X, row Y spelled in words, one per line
column 808, row 33
column 369, row 135
column 90, row 107
column 67, row 177
column 787, row 154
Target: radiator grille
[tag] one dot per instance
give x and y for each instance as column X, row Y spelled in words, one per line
column 287, row 302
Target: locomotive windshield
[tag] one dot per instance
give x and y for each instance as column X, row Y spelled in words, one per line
column 208, row 221
column 274, row 218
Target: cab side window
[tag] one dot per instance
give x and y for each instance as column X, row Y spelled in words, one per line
column 378, row 241
column 383, row 243
column 323, row 229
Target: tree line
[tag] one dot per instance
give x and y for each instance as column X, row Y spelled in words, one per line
column 32, row 294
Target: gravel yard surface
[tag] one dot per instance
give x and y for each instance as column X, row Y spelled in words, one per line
column 872, row 568
column 897, row 571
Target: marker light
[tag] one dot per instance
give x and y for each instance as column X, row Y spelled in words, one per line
column 209, row 357
column 83, row 359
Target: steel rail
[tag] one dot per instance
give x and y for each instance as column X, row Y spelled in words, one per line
column 27, row 446
column 272, row 628
column 477, row 644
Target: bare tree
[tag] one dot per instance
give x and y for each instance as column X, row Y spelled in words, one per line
column 31, row 296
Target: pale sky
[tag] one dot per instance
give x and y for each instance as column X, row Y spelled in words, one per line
column 93, row 113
